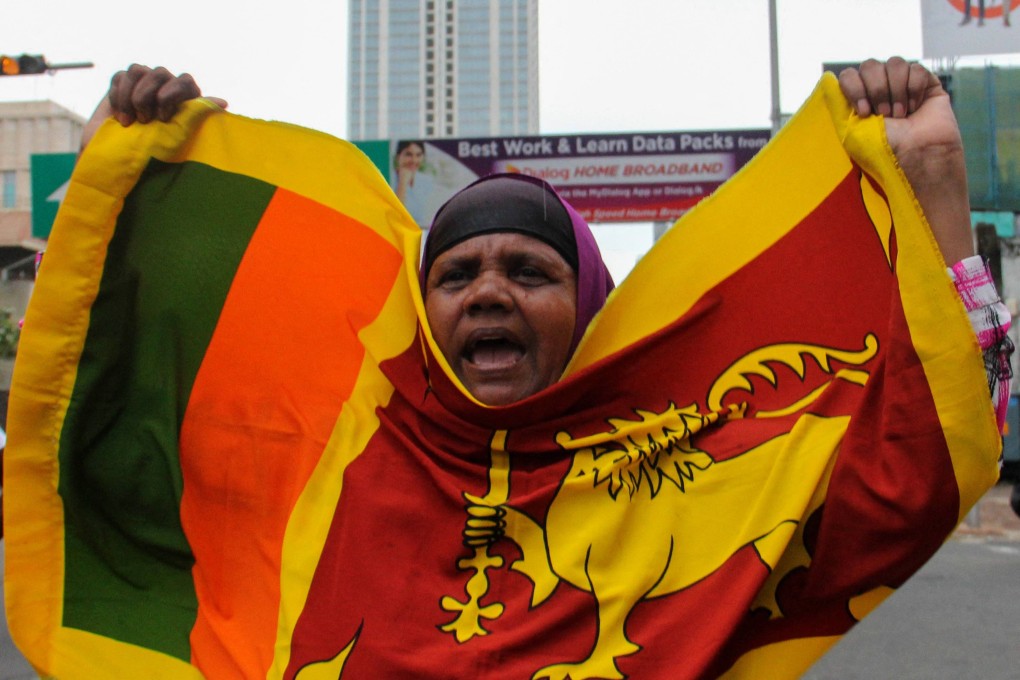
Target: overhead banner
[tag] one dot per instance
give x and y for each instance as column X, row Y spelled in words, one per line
column 626, row 177
column 956, row 28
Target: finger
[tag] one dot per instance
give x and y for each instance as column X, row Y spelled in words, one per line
column 222, row 103
column 173, row 93
column 920, row 80
column 852, row 84
column 122, row 86
column 144, row 96
column 897, row 72
column 876, row 86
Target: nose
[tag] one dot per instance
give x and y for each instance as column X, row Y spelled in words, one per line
column 490, row 291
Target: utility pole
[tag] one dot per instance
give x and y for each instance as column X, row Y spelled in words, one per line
column 72, row 64
column 774, row 67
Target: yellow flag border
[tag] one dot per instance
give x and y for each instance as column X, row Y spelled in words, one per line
column 57, row 323
column 53, row 337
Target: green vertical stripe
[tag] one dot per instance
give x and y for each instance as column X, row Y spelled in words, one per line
column 177, row 245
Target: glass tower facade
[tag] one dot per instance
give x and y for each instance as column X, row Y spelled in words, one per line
column 442, row 68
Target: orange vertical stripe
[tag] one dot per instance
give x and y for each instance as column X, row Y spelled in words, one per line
column 283, row 359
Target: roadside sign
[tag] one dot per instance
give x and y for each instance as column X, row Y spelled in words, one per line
column 50, row 174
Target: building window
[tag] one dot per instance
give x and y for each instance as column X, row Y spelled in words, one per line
column 10, row 185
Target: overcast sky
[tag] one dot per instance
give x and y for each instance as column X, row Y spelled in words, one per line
column 606, row 65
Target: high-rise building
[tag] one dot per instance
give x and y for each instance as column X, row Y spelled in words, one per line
column 442, row 68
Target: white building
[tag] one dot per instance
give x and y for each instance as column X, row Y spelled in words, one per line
column 442, row 68
column 26, row 128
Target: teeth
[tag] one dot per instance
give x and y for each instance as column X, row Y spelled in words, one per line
column 494, row 353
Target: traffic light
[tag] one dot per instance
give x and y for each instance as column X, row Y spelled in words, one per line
column 23, row 64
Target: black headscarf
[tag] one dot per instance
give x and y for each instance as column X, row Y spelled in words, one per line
column 502, row 203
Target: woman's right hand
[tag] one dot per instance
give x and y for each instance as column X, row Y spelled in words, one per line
column 144, row 94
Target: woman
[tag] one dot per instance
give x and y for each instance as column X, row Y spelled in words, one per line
column 413, row 187
column 504, row 522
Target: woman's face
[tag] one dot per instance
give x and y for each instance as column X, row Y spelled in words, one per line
column 502, row 308
column 410, row 157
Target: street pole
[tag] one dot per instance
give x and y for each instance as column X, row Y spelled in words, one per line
column 73, row 64
column 774, row 67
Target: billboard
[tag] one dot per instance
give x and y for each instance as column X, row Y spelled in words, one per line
column 956, row 28
column 627, row 177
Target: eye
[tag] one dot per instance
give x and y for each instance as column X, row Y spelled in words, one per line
column 454, row 278
column 530, row 274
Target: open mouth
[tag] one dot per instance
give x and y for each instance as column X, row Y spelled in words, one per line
column 493, row 352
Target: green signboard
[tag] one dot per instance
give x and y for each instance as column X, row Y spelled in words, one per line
column 50, row 175
column 378, row 151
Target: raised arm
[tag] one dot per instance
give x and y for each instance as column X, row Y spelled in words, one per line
column 143, row 94
column 923, row 134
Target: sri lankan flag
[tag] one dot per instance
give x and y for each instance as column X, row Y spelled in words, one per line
column 235, row 451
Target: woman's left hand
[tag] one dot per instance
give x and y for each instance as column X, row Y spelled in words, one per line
column 924, row 136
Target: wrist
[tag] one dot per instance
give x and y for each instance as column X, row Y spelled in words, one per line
column 938, row 177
